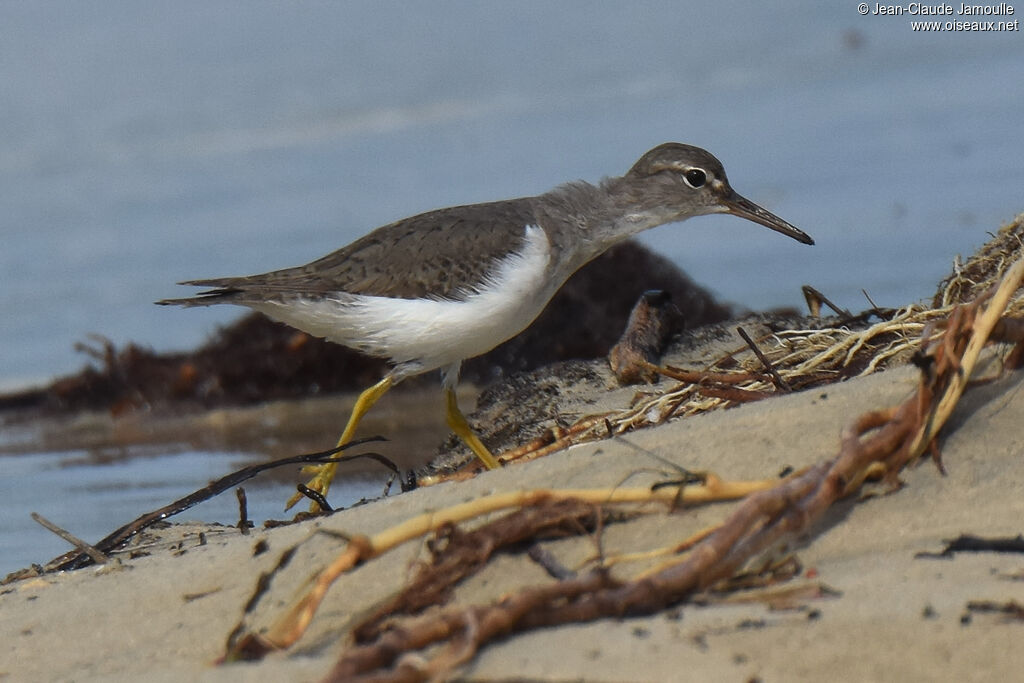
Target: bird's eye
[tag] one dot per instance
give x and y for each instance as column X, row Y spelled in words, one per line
column 695, row 177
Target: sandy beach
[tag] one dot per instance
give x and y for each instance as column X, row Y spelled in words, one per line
column 888, row 614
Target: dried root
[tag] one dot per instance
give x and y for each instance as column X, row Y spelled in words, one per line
column 246, row 643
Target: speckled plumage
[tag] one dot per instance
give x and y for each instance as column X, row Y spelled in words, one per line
column 434, row 254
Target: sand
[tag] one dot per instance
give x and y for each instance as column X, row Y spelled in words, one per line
column 895, row 616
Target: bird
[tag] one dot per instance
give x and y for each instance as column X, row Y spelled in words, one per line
column 430, row 291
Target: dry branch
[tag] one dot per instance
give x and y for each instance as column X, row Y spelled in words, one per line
column 293, row 623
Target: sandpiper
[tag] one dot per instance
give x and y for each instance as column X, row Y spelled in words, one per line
column 430, row 291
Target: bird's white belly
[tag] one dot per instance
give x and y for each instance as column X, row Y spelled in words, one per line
column 433, row 333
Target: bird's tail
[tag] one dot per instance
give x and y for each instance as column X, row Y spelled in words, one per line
column 222, row 295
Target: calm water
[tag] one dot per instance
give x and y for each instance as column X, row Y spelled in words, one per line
column 92, row 499
column 146, row 143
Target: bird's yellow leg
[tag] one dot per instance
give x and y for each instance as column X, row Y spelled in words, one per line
column 458, row 424
column 324, row 473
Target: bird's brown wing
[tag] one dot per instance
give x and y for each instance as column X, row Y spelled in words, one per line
column 436, row 254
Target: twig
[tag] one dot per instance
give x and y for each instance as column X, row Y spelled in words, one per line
column 96, row 555
column 779, row 382
column 243, row 512
column 549, row 563
column 982, row 328
column 814, row 299
column 315, row 496
column 122, row 535
column 703, row 377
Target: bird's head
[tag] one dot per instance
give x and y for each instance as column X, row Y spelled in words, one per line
column 673, row 182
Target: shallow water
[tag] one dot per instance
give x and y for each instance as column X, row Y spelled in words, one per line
column 92, row 499
column 144, row 144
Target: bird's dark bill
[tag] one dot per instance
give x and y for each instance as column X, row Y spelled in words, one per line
column 744, row 208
